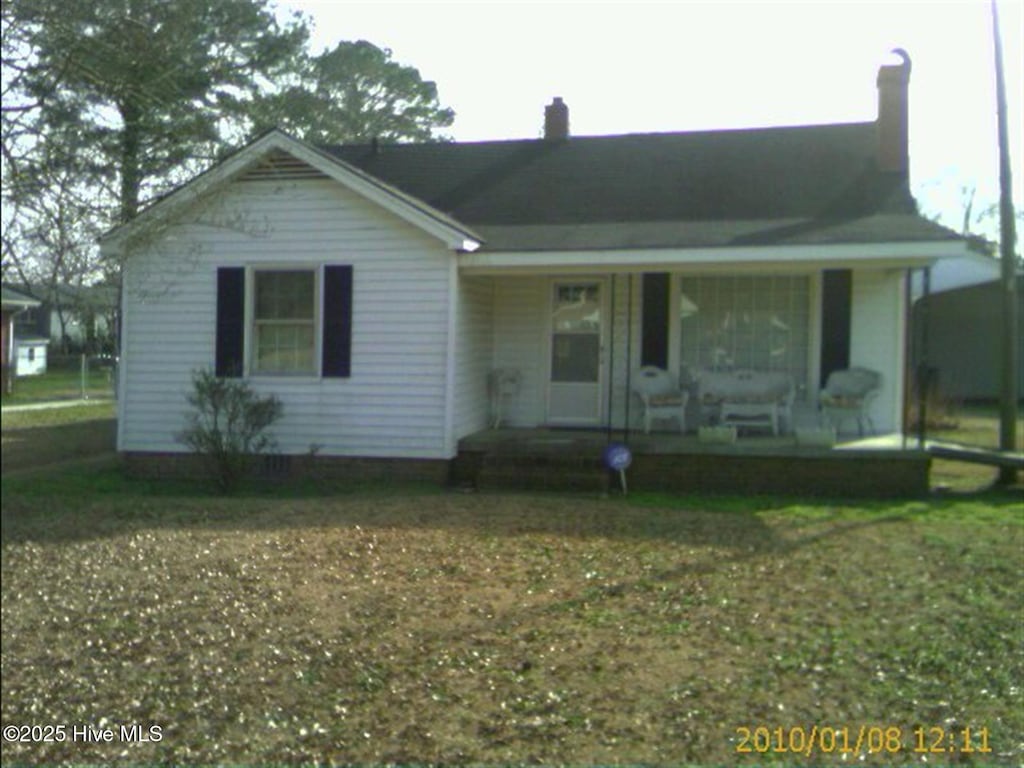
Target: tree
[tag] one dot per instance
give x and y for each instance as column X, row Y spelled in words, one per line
column 355, row 93
column 110, row 103
column 148, row 83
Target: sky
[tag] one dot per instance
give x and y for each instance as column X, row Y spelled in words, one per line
column 634, row 67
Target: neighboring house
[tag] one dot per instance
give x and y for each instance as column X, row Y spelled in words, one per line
column 31, row 355
column 962, row 331
column 81, row 318
column 375, row 289
column 973, row 268
column 14, row 302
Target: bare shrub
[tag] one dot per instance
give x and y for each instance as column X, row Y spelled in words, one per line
column 228, row 426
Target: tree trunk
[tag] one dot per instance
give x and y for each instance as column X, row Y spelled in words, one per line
column 131, row 148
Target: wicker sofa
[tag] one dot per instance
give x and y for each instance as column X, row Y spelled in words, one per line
column 747, row 399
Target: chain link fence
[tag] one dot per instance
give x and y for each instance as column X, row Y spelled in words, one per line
column 66, row 377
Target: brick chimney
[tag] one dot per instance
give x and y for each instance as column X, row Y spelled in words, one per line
column 893, row 115
column 556, row 120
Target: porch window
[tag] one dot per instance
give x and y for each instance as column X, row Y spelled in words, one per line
column 284, row 323
column 576, row 339
column 752, row 322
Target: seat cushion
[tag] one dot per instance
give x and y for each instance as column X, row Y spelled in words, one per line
column 753, row 398
column 840, row 401
column 666, row 399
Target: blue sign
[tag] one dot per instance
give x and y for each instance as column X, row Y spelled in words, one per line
column 617, row 456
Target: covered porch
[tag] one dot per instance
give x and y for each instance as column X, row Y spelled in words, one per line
column 561, row 347
column 561, row 337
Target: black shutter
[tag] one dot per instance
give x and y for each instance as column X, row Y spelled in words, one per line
column 836, row 304
column 337, row 322
column 654, row 320
column 230, row 321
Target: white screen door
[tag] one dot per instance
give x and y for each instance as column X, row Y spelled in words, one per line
column 576, row 357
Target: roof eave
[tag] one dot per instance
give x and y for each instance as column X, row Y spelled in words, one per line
column 879, row 255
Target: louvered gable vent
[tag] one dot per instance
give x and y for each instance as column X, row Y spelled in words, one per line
column 280, row 166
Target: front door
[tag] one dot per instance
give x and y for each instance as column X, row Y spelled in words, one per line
column 576, row 371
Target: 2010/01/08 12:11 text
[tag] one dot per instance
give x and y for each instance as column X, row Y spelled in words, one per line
column 864, row 739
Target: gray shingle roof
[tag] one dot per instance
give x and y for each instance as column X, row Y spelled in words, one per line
column 808, row 184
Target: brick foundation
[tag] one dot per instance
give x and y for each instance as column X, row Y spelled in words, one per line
column 169, row 466
column 808, row 472
column 835, row 474
column 820, row 473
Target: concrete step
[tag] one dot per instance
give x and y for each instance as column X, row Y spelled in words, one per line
column 519, row 471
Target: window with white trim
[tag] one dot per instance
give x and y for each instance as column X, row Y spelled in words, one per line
column 284, row 321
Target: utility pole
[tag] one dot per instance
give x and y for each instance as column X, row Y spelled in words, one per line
column 1007, row 235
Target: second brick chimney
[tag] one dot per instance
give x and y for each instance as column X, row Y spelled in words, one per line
column 893, row 115
column 556, row 120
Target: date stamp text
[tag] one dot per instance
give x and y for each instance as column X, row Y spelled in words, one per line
column 811, row 740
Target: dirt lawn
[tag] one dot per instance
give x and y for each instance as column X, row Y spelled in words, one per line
column 405, row 627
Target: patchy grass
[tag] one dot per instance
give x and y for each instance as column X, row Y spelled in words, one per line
column 399, row 626
column 63, row 381
column 40, row 437
column 975, row 425
column 961, row 476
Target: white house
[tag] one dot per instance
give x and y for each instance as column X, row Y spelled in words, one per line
column 14, row 303
column 973, row 268
column 375, row 288
column 30, row 355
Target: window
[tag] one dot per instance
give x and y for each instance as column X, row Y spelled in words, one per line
column 576, row 334
column 286, row 327
column 750, row 322
column 284, row 321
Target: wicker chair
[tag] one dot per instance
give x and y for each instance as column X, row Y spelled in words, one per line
column 660, row 396
column 848, row 394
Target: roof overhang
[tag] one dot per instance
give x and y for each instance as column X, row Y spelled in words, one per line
column 453, row 234
column 760, row 257
column 18, row 303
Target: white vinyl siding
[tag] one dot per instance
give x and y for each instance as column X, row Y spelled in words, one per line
column 394, row 402
column 473, row 354
column 877, row 329
column 520, row 318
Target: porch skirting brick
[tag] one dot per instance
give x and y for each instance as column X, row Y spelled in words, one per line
column 835, row 474
column 823, row 473
column 797, row 472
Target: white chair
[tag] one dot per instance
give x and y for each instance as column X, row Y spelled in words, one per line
column 848, row 394
column 660, row 396
column 503, row 384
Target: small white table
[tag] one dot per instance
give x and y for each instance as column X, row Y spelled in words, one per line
column 748, row 414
